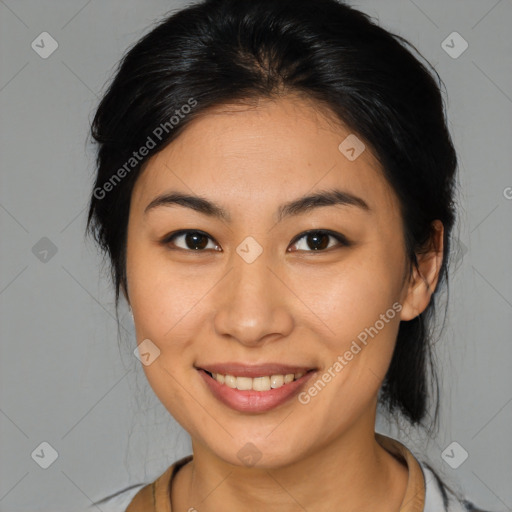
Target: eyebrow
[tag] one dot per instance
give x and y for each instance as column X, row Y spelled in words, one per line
column 332, row 197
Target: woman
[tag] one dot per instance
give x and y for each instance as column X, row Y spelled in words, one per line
column 275, row 192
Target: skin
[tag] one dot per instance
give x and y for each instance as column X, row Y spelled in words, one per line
column 292, row 304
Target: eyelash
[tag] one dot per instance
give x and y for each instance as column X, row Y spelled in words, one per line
column 341, row 239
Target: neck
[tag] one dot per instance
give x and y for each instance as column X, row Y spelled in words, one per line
column 351, row 472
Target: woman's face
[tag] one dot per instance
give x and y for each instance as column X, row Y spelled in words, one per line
column 253, row 288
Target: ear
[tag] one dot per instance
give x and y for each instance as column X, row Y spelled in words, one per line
column 425, row 276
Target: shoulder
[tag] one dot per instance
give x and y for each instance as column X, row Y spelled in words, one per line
column 138, row 494
column 117, row 502
column 440, row 497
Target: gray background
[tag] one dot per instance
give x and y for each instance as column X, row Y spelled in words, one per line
column 65, row 380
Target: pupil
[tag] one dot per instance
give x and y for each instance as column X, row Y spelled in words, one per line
column 193, row 243
column 315, row 237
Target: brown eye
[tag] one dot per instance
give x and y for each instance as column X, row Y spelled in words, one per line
column 191, row 241
column 319, row 240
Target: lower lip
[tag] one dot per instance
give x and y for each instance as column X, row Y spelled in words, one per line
column 254, row 401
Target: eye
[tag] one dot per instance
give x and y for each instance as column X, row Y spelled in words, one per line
column 318, row 240
column 314, row 240
column 191, row 240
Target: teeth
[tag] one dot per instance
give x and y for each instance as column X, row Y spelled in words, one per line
column 264, row 383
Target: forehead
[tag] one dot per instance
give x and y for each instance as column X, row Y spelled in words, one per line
column 265, row 152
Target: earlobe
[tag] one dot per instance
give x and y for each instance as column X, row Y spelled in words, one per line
column 425, row 275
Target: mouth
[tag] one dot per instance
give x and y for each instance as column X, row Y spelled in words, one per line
column 254, row 388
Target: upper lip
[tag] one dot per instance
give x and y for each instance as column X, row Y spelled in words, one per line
column 258, row 370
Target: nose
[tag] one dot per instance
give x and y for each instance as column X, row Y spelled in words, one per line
column 253, row 303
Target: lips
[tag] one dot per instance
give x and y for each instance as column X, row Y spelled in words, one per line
column 260, row 370
column 252, row 400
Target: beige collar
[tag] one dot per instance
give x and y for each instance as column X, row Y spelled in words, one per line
column 155, row 497
column 414, row 498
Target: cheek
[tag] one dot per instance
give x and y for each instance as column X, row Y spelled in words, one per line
column 351, row 297
column 164, row 296
column 360, row 310
column 167, row 309
column 359, row 305
column 171, row 304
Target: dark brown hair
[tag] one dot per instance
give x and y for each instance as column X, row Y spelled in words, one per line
column 222, row 51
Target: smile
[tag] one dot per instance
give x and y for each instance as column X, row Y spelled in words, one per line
column 255, row 394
